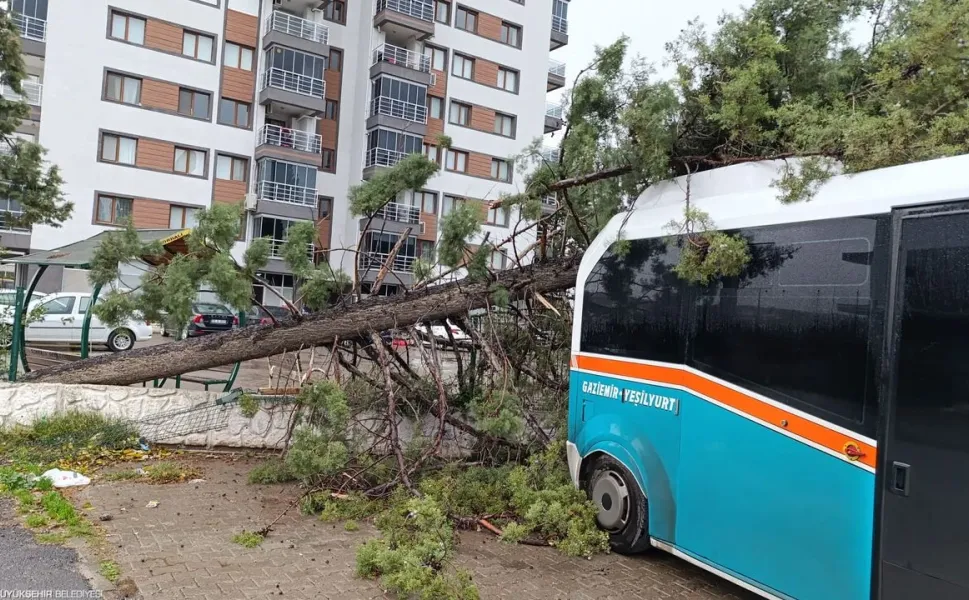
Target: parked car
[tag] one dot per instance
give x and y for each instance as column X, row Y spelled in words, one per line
column 440, row 334
column 64, row 317
column 261, row 315
column 207, row 317
column 8, row 298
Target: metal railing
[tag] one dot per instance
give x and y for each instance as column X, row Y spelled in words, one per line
column 14, row 214
column 298, row 27
column 276, row 249
column 375, row 260
column 30, row 28
column 381, row 157
column 549, row 200
column 286, row 192
column 560, row 23
column 274, row 135
column 551, row 155
column 556, row 68
column 554, row 110
column 402, row 213
column 33, row 92
column 419, row 9
column 396, row 55
column 385, row 105
column 293, row 82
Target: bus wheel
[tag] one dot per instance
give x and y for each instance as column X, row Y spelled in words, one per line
column 623, row 511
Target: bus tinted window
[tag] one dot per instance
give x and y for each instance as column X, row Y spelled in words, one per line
column 632, row 304
column 797, row 325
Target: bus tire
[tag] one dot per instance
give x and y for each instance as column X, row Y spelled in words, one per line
column 623, row 511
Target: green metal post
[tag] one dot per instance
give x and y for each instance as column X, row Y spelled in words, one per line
column 20, row 331
column 235, row 369
column 18, row 316
column 86, row 327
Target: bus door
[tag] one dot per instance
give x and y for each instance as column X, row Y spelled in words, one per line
column 923, row 539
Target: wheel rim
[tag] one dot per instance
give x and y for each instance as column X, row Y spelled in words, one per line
column 611, row 496
column 122, row 341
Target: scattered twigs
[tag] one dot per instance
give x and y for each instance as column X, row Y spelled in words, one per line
column 392, row 412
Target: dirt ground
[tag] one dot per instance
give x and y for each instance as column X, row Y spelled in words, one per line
column 182, row 549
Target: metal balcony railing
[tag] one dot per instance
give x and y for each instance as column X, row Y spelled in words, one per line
column 560, row 23
column 375, row 260
column 286, row 192
column 14, row 214
column 33, row 92
column 396, row 55
column 550, row 200
column 551, row 155
column 293, row 82
column 391, row 107
column 276, row 249
column 298, row 27
column 30, row 28
column 402, row 213
column 556, row 68
column 419, row 9
column 554, row 110
column 274, row 135
column 381, row 157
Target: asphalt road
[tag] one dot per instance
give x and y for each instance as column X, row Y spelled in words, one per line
column 29, row 566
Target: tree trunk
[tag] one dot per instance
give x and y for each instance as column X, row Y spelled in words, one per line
column 348, row 322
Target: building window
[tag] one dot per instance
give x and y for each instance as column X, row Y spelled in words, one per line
column 113, row 210
column 436, row 107
column 460, row 113
column 197, row 46
column 276, row 230
column 438, row 57
column 463, row 66
column 194, row 104
column 466, row 19
column 120, row 88
column 500, row 169
column 335, row 61
column 401, row 99
column 336, row 11
column 386, row 147
column 511, row 34
column 426, row 201
column 325, row 206
column 498, row 215
column 290, row 61
column 231, row 168
column 283, row 181
column 189, row 161
column 332, row 112
column 118, row 149
column 450, row 203
column 456, row 161
column 128, row 28
column 329, row 160
column 497, row 260
column 182, row 217
column 508, row 79
column 234, row 113
column 505, row 125
column 237, row 56
column 432, row 152
column 442, row 11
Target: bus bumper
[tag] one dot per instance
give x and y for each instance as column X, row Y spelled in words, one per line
column 575, row 461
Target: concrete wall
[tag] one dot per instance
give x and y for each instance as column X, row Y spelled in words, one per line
column 153, row 411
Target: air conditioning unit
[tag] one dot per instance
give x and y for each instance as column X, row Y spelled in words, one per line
column 251, row 200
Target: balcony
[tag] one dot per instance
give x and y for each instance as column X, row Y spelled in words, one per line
column 556, row 75
column 397, row 114
column 292, row 94
column 33, row 31
column 554, row 117
column 549, row 204
column 276, row 249
column 402, row 213
column 401, row 62
column 33, row 92
column 372, row 261
column 381, row 157
column 296, row 32
column 405, row 18
column 289, row 144
column 560, row 24
column 286, row 193
column 551, row 155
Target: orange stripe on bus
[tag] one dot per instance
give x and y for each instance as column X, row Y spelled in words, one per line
column 739, row 401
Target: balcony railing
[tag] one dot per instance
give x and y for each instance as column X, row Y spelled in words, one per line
column 298, row 27
column 274, row 135
column 276, row 249
column 402, row 213
column 556, row 68
column 15, row 214
column 33, row 92
column 286, row 192
column 419, row 9
column 551, row 155
column 384, row 105
column 375, row 260
column 554, row 110
column 293, row 82
column 30, row 28
column 549, row 200
column 396, row 55
column 381, row 157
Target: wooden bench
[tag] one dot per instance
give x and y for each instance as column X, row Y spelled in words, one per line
column 39, row 358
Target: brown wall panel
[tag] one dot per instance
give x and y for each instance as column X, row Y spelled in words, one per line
column 328, row 128
column 159, row 94
column 435, row 127
column 439, row 88
column 489, row 26
column 241, row 28
column 155, row 154
column 229, row 192
column 323, row 227
column 483, row 118
column 164, row 36
column 150, row 214
column 430, row 227
column 485, row 72
column 479, row 165
column 334, row 84
column 238, row 84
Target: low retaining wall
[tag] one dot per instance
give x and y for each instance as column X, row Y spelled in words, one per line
column 163, row 415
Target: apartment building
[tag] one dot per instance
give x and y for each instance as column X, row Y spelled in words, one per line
column 156, row 108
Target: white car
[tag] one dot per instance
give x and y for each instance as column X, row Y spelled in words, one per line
column 440, row 334
column 64, row 317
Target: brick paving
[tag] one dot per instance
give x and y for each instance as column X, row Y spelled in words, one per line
column 183, row 549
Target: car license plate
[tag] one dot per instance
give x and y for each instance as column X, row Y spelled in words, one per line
column 218, row 321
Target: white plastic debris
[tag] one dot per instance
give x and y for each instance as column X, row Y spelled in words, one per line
column 63, row 479
column 152, row 504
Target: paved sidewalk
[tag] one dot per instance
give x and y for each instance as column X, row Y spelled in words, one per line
column 183, row 549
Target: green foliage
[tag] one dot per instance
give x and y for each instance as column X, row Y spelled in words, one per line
column 411, row 173
column 321, row 447
column 169, row 472
column 456, row 228
column 248, row 405
column 705, row 252
column 59, row 509
column 499, row 413
column 414, row 556
column 443, row 141
column 248, row 539
column 65, row 435
column 271, row 472
column 110, row 570
column 500, row 296
column 329, row 508
column 36, row 521
column 351, row 525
